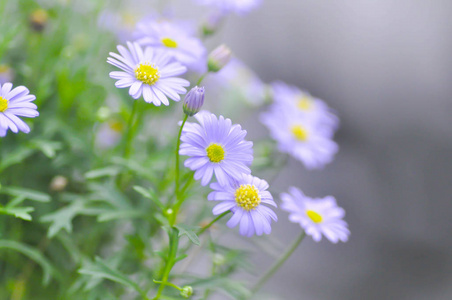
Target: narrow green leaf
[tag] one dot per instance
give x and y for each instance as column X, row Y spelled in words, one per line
column 34, row 254
column 18, row 212
column 27, row 193
column 104, row 172
column 189, row 231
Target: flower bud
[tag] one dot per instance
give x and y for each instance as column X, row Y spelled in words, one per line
column 193, row 101
column 219, row 58
column 186, row 291
column 212, row 24
column 58, row 183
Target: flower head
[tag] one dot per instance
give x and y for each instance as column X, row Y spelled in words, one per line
column 15, row 103
column 316, row 216
column 240, row 7
column 149, row 73
column 300, row 137
column 216, row 146
column 307, row 107
column 176, row 39
column 245, row 198
column 193, row 101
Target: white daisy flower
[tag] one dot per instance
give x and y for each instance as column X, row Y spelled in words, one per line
column 149, row 73
column 317, row 217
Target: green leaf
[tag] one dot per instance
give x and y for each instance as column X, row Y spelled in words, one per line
column 34, row 254
column 26, row 193
column 101, row 270
column 18, row 212
column 150, row 194
column 121, row 214
column 14, row 158
column 189, row 231
column 62, row 218
column 104, row 172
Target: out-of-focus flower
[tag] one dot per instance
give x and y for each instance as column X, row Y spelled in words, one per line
column 109, row 134
column 300, row 137
column 15, row 103
column 293, row 99
column 238, row 79
column 211, row 25
column 316, row 216
column 149, row 73
column 122, row 24
column 193, row 101
column 58, row 183
column 6, row 74
column 176, row 39
column 219, row 58
column 38, row 19
column 245, row 198
column 216, row 146
column 240, row 7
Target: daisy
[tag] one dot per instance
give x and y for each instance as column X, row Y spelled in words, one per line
column 240, row 7
column 13, row 104
column 176, row 39
column 245, row 198
column 300, row 137
column 293, row 99
column 216, row 146
column 316, row 216
column 149, row 73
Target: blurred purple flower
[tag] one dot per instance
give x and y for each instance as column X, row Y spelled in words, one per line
column 14, row 103
column 216, row 146
column 316, row 216
column 240, row 7
column 176, row 38
column 244, row 197
column 149, row 73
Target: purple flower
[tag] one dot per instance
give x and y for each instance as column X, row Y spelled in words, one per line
column 149, row 73
column 216, row 146
column 240, row 7
column 316, row 216
column 300, row 137
column 13, row 104
column 245, row 198
column 176, row 39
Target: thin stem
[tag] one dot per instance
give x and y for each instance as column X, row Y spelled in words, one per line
column 201, row 231
column 130, row 130
column 278, row 263
column 201, row 78
column 174, row 245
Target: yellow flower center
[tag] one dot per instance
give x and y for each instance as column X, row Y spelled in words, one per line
column 315, row 217
column 299, row 132
column 170, row 43
column 147, row 73
column 3, row 104
column 304, row 103
column 215, row 152
column 247, row 197
column 116, row 126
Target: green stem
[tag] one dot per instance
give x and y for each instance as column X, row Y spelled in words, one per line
column 174, row 245
column 201, row 231
column 278, row 263
column 130, row 130
column 201, row 78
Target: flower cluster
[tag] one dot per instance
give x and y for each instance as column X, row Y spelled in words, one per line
column 216, row 146
column 302, row 125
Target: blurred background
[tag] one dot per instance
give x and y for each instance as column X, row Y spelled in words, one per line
column 386, row 68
